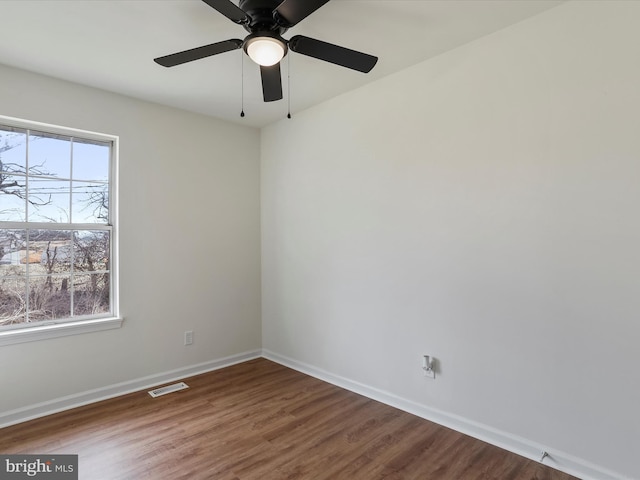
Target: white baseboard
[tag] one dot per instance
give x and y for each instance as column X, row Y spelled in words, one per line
column 513, row 443
column 76, row 400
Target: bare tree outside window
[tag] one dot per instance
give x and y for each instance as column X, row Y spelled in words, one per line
column 13, row 175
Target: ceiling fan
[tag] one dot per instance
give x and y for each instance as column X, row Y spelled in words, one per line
column 266, row 21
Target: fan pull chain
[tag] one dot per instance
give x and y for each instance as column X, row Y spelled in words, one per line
column 242, row 83
column 288, row 86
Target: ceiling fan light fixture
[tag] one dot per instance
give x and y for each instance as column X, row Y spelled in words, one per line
column 265, row 50
column 266, row 21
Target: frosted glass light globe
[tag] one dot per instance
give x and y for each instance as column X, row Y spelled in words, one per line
column 265, row 51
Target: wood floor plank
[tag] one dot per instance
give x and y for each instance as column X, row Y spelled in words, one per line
column 261, row 421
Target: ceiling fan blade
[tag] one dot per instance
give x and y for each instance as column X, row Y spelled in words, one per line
column 328, row 52
column 291, row 12
column 271, row 83
column 229, row 10
column 198, row 53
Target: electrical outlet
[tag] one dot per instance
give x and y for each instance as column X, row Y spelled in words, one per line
column 188, row 337
column 428, row 366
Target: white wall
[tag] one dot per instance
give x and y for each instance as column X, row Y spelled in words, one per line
column 189, row 243
column 481, row 207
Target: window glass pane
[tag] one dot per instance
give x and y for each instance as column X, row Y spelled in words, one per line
column 13, row 150
column 90, row 202
column 51, row 252
column 13, row 194
column 91, row 251
column 91, row 160
column 91, row 294
column 13, row 245
column 49, row 155
column 49, row 298
column 13, row 300
column 49, row 200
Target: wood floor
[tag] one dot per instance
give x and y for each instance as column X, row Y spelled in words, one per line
column 262, row 421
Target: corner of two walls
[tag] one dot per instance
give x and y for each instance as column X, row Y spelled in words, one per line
column 480, row 207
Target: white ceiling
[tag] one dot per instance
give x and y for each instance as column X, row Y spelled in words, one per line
column 111, row 45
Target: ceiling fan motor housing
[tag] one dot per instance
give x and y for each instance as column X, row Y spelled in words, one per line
column 262, row 17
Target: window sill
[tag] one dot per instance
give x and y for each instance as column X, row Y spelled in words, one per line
column 45, row 332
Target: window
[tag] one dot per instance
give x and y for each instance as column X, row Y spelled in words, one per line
column 57, row 231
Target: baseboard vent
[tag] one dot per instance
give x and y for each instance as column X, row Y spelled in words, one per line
column 168, row 389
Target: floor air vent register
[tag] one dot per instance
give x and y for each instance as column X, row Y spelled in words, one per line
column 158, row 392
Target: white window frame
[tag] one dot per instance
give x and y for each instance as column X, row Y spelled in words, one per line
column 20, row 333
